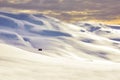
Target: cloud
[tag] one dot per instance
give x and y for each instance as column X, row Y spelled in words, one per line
column 14, row 1
column 62, row 4
column 105, row 9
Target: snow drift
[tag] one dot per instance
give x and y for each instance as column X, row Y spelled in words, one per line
column 80, row 51
column 56, row 38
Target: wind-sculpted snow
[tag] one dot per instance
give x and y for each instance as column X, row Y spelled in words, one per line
column 80, row 51
column 82, row 40
column 6, row 22
column 117, row 27
column 52, row 33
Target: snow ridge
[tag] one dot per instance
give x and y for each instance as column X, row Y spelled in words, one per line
column 82, row 40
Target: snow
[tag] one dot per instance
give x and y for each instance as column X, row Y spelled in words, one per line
column 80, row 51
column 17, row 64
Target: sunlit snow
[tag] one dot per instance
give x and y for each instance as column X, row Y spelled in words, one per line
column 79, row 51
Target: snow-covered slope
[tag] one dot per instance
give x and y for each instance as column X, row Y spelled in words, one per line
column 78, row 41
column 80, row 51
column 17, row 64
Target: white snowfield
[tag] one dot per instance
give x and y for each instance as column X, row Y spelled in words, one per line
column 80, row 51
column 17, row 64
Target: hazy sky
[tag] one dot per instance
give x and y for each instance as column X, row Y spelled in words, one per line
column 97, row 9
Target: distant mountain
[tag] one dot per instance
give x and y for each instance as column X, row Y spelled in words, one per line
column 82, row 40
